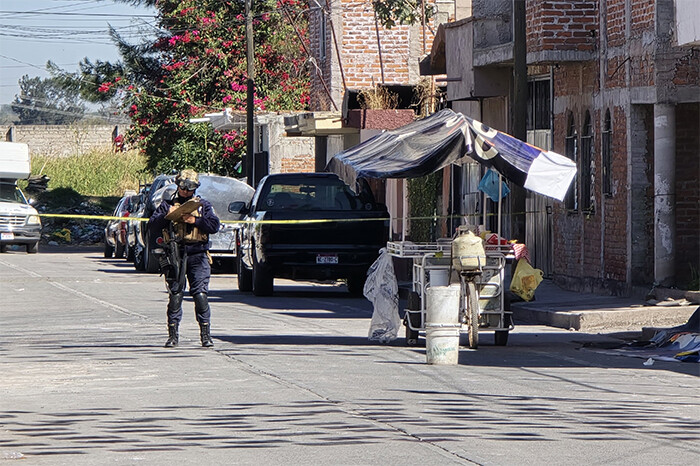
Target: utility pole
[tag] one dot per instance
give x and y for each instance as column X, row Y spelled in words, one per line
column 250, row 115
column 519, row 111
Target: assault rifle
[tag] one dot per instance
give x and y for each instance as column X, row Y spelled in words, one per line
column 173, row 262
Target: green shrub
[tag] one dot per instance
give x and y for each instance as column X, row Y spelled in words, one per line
column 423, row 197
column 96, row 173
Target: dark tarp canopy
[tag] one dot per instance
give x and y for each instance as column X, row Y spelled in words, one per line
column 444, row 138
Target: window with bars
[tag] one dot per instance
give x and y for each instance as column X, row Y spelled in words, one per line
column 539, row 105
column 571, row 199
column 586, row 167
column 322, row 34
column 606, row 139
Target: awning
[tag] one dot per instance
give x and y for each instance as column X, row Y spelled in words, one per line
column 444, row 138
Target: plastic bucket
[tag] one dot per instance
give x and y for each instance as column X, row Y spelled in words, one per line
column 439, row 277
column 442, row 304
column 442, row 343
column 442, row 324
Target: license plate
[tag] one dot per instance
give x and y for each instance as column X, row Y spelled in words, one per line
column 327, row 259
column 10, row 237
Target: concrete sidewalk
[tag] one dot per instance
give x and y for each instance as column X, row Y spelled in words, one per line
column 556, row 307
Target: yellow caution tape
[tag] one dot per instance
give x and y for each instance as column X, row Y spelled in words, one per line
column 282, row 222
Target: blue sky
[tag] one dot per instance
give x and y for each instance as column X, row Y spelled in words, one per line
column 33, row 32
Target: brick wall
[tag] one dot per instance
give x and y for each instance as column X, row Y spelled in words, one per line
column 687, row 191
column 61, row 140
column 401, row 48
column 297, row 164
column 564, row 25
column 687, row 69
column 590, row 251
column 615, row 22
column 615, row 205
column 641, row 14
column 642, row 69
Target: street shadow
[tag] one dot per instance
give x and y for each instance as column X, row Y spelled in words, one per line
column 175, row 428
column 93, row 251
column 302, row 340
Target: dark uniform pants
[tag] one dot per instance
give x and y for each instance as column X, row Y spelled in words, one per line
column 198, row 273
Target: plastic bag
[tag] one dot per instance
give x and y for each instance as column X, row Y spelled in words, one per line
column 489, row 186
column 525, row 280
column 382, row 290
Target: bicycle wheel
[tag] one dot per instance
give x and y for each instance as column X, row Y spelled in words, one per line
column 472, row 309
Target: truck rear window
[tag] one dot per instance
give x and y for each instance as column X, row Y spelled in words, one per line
column 317, row 194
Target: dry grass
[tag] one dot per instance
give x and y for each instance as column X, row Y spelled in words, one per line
column 377, row 98
column 95, row 173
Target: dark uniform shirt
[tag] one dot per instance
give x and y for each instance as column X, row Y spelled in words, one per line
column 206, row 222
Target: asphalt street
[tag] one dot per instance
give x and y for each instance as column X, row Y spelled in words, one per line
column 294, row 380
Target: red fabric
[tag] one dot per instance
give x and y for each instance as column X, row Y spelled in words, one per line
column 521, row 251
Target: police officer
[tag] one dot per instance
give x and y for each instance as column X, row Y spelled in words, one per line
column 193, row 231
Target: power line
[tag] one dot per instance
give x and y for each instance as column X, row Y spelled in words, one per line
column 96, row 15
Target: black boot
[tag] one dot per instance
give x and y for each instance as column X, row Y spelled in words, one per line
column 173, row 337
column 204, row 333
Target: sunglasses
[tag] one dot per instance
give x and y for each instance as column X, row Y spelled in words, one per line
column 188, row 185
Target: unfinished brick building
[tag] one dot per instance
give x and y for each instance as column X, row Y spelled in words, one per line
column 615, row 86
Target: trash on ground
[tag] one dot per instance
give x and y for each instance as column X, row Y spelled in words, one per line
column 677, row 344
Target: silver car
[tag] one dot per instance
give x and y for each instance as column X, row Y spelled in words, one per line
column 221, row 191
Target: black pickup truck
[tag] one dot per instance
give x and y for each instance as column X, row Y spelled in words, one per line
column 308, row 226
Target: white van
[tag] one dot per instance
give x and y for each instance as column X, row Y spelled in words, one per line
column 19, row 221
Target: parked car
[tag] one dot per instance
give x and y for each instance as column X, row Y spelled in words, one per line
column 297, row 250
column 19, row 221
column 138, row 230
column 116, row 230
column 220, row 191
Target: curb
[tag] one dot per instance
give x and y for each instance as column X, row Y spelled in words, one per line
column 604, row 318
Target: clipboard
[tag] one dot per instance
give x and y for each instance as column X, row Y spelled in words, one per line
column 186, row 208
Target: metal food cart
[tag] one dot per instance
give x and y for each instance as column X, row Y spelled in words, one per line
column 428, row 145
column 433, row 260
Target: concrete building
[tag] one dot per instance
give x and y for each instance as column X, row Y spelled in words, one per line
column 615, row 86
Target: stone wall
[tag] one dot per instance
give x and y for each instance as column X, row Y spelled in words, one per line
column 62, row 140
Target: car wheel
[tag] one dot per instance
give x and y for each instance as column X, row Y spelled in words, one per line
column 150, row 260
column 129, row 253
column 263, row 283
column 138, row 258
column 245, row 276
column 119, row 250
column 33, row 248
column 109, row 250
column 356, row 284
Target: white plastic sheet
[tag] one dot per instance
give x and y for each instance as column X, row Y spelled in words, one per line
column 382, row 290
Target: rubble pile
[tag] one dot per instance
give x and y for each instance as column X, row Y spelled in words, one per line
column 75, row 231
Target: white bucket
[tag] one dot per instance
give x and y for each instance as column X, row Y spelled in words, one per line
column 442, row 304
column 442, row 343
column 442, row 324
column 439, row 277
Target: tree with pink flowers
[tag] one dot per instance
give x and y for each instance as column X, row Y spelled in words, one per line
column 197, row 65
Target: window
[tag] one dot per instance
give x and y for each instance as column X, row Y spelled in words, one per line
column 538, row 105
column 571, row 200
column 587, row 164
column 607, row 155
column 322, row 34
